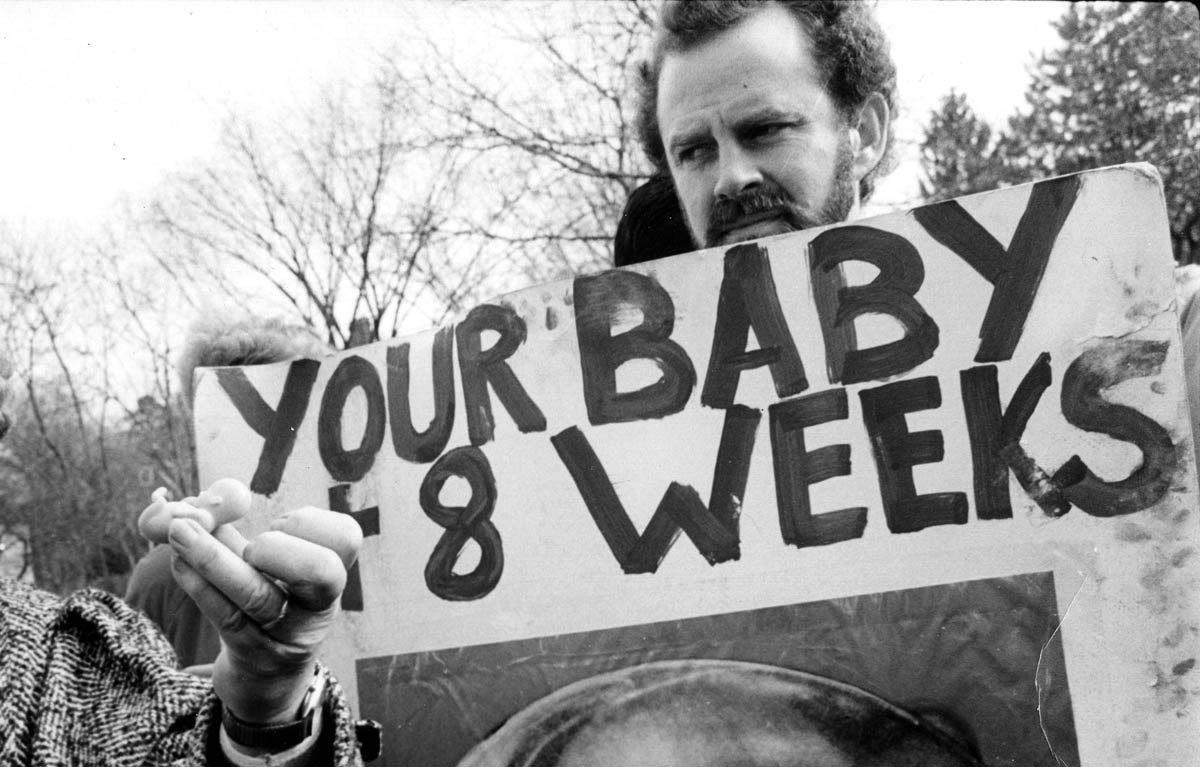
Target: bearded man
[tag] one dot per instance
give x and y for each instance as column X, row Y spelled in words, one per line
column 768, row 117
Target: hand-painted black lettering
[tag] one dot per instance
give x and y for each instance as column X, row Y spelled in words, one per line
column 748, row 299
column 342, row 464
column 713, row 530
column 277, row 427
column 733, row 464
column 410, row 444
column 368, row 520
column 996, row 442
column 713, row 539
column 981, row 406
column 479, row 368
column 891, row 292
column 462, row 523
column 796, row 468
column 602, row 301
column 897, row 450
column 1015, row 273
column 1107, row 364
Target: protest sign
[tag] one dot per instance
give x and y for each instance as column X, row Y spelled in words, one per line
column 942, row 456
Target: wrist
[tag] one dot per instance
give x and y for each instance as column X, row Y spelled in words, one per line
column 261, row 698
column 303, row 754
column 290, row 737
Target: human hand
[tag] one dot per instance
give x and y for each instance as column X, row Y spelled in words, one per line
column 273, row 598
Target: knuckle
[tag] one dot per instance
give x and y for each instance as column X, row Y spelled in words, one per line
column 185, row 575
column 268, row 539
column 234, row 622
column 261, row 602
column 345, row 539
column 329, row 565
column 326, row 579
column 304, row 516
column 250, row 551
column 285, row 656
column 353, row 534
column 204, row 558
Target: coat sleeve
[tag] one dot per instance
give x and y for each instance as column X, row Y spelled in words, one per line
column 87, row 680
column 337, row 746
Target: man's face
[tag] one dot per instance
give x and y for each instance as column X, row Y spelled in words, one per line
column 754, row 142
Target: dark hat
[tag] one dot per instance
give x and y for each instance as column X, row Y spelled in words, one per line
column 652, row 224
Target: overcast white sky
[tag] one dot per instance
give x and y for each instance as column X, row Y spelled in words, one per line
column 100, row 100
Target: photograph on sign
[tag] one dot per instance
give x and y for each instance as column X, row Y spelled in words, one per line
column 957, row 659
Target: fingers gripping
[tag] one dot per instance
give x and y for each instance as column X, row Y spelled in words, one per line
column 336, row 532
column 313, row 575
column 224, row 573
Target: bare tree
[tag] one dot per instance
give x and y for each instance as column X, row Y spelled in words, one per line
column 437, row 185
column 382, row 208
column 346, row 212
column 79, row 462
column 557, row 139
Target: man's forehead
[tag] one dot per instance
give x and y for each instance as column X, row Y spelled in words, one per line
column 764, row 61
column 755, row 106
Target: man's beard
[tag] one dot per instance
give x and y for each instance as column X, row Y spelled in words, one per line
column 770, row 198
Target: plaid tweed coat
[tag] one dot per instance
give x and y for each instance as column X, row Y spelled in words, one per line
column 87, row 680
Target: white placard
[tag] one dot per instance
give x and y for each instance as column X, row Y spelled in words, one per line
column 973, row 410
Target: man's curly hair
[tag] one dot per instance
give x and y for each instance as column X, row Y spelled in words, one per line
column 847, row 42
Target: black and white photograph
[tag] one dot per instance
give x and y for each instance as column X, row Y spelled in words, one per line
column 515, row 383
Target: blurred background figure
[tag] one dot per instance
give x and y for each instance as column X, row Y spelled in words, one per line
column 14, row 562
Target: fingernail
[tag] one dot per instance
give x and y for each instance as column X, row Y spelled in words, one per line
column 183, row 532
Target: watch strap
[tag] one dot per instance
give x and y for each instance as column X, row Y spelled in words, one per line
column 274, row 737
column 278, row 737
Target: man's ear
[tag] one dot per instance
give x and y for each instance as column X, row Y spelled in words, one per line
column 868, row 136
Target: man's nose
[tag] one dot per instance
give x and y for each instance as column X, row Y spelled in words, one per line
column 738, row 172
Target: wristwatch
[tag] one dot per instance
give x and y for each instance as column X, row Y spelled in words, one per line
column 279, row 737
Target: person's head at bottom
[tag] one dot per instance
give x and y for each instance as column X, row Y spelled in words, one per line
column 718, row 714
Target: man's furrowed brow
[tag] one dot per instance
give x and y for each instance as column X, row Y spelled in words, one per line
column 686, row 135
column 767, row 113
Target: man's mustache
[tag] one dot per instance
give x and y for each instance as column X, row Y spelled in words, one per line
column 726, row 213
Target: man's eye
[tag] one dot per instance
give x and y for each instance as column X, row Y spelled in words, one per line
column 767, row 130
column 691, row 153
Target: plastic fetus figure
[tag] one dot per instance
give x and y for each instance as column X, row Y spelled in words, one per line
column 225, row 501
